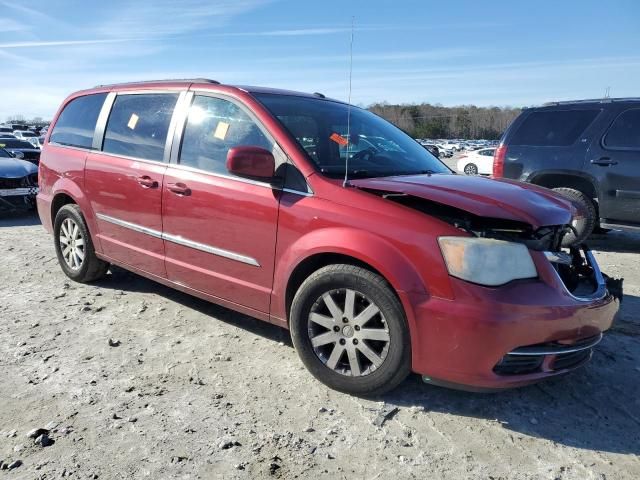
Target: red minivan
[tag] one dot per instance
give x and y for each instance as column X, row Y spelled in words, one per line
column 325, row 219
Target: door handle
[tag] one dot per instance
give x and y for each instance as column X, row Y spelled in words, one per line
column 604, row 162
column 179, row 188
column 147, row 182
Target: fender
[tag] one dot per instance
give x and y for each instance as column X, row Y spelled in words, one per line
column 366, row 247
column 68, row 186
column 534, row 178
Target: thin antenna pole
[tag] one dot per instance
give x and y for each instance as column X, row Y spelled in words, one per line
column 346, row 162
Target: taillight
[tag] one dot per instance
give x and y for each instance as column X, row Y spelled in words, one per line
column 498, row 161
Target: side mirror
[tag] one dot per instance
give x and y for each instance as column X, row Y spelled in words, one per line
column 17, row 154
column 252, row 162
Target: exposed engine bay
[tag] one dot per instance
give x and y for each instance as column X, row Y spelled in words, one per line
column 574, row 264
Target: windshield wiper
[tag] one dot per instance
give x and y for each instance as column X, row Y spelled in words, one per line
column 419, row 172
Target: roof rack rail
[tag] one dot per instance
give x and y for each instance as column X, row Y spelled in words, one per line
column 166, row 80
column 593, row 100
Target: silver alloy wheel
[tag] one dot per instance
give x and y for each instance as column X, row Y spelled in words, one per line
column 72, row 244
column 471, row 169
column 348, row 332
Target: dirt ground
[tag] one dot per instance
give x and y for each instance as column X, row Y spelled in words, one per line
column 135, row 380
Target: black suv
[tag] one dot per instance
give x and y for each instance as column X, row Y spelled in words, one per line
column 588, row 150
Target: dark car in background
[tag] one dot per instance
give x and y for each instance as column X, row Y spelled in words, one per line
column 21, row 149
column 587, row 150
column 433, row 149
column 6, row 131
column 18, row 182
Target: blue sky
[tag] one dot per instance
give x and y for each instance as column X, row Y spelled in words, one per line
column 450, row 52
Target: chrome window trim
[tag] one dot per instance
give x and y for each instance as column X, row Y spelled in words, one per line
column 178, row 108
column 249, row 181
column 220, row 252
column 72, row 147
column 134, row 159
column 298, row 192
column 181, row 117
column 101, row 123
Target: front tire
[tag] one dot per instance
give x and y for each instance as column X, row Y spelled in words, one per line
column 74, row 247
column 350, row 330
column 583, row 226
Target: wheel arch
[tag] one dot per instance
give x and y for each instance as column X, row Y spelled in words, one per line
column 341, row 245
column 315, row 262
column 583, row 183
column 67, row 192
column 59, row 200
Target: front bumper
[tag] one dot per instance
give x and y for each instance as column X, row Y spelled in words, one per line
column 463, row 342
column 18, row 192
column 17, row 198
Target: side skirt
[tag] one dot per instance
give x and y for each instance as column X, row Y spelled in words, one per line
column 196, row 293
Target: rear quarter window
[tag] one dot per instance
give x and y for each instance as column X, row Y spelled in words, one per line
column 77, row 122
column 553, row 128
column 624, row 134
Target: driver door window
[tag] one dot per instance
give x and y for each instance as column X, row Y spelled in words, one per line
column 214, row 126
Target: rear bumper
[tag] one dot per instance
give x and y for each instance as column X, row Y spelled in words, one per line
column 462, row 341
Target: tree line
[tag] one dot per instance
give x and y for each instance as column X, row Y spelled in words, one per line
column 422, row 120
column 435, row 121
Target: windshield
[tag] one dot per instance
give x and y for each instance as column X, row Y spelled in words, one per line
column 14, row 143
column 375, row 147
column 4, row 153
column 28, row 134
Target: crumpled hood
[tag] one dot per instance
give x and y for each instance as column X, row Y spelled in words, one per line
column 16, row 168
column 484, row 197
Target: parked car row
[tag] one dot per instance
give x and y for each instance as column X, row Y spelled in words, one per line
column 33, row 135
column 446, row 148
column 19, row 158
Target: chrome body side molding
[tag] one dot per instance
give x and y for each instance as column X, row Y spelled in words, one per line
column 220, row 252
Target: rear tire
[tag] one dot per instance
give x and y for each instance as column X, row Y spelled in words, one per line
column 584, row 227
column 74, row 247
column 327, row 321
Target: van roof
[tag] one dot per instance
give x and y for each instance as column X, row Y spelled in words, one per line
column 208, row 81
column 592, row 100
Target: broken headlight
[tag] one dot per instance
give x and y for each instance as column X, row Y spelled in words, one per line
column 486, row 261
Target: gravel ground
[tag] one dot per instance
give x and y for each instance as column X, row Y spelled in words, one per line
column 133, row 380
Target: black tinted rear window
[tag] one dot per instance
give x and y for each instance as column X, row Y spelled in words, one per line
column 553, row 128
column 625, row 131
column 77, row 122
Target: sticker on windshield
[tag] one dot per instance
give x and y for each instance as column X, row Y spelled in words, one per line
column 133, row 121
column 339, row 139
column 221, row 130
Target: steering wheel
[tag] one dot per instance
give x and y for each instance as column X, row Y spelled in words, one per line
column 365, row 155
